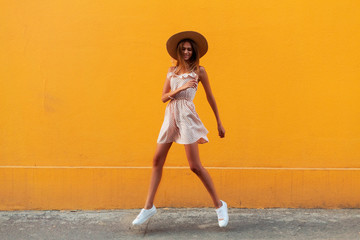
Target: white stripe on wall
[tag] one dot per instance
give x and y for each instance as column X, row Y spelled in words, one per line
column 185, row 167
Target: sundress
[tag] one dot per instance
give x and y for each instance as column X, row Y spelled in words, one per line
column 181, row 122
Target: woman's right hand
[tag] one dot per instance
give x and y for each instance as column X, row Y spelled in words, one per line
column 189, row 84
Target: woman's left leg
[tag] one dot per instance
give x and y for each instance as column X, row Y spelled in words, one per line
column 192, row 154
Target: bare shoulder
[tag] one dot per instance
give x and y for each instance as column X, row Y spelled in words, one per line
column 171, row 69
column 202, row 73
column 170, row 72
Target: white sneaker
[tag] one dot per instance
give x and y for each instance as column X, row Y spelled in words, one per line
column 144, row 215
column 222, row 213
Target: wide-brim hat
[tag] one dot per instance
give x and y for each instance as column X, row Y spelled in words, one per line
column 173, row 41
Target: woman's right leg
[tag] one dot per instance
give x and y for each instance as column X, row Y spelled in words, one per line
column 158, row 163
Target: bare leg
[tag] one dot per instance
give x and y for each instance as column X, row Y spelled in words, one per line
column 192, row 154
column 158, row 163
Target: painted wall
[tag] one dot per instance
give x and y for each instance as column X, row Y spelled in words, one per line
column 80, row 107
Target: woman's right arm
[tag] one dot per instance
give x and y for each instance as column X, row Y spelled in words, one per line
column 167, row 94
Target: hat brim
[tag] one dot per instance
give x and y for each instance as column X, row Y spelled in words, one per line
column 173, row 41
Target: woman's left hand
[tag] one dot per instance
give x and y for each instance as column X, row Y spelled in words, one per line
column 221, row 130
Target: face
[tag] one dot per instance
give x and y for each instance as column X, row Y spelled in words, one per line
column 187, row 51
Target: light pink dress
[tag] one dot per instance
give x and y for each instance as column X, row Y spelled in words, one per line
column 181, row 122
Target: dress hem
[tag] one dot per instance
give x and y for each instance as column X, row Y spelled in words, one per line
column 201, row 140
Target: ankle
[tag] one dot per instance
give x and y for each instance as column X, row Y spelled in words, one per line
column 219, row 204
column 148, row 206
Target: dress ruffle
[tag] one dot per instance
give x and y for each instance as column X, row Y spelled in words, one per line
column 183, row 75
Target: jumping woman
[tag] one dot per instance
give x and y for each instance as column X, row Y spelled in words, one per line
column 181, row 122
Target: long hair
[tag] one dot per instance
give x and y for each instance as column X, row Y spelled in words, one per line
column 193, row 63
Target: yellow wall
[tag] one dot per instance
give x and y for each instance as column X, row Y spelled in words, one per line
column 80, row 106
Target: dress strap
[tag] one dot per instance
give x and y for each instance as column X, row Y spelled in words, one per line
column 169, row 74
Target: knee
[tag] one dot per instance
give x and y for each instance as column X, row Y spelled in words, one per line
column 196, row 169
column 158, row 162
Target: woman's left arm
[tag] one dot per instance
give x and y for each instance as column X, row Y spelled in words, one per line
column 203, row 78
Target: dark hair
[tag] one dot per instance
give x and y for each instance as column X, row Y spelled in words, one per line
column 193, row 63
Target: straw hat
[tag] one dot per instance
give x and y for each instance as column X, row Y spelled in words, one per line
column 173, row 41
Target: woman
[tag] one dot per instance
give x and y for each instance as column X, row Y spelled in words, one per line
column 181, row 123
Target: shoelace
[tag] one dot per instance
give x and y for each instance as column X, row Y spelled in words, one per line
column 221, row 214
column 141, row 212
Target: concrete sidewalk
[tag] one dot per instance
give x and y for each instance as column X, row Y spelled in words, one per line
column 182, row 223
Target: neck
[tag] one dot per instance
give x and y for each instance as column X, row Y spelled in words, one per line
column 183, row 69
